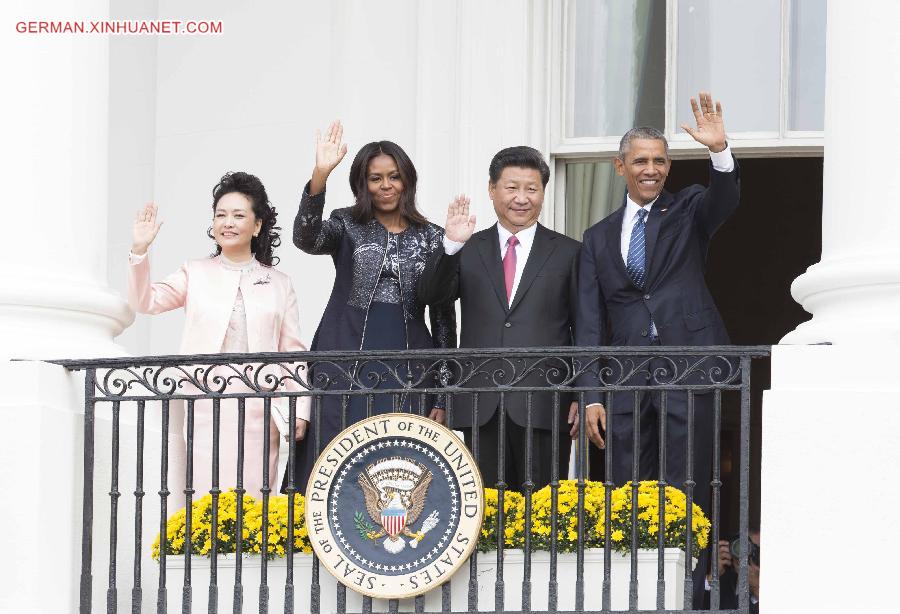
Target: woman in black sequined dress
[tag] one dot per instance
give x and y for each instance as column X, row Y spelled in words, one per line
column 379, row 247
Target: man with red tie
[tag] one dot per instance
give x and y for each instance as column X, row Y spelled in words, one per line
column 517, row 286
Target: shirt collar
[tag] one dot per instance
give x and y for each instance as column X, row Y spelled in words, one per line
column 525, row 237
column 632, row 208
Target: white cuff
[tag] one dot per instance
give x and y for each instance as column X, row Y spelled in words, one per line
column 135, row 259
column 451, row 246
column 722, row 160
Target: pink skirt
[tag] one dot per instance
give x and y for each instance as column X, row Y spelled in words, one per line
column 254, row 437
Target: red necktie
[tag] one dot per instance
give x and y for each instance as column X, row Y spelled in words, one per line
column 509, row 265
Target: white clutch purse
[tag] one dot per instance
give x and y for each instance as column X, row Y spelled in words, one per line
column 281, row 414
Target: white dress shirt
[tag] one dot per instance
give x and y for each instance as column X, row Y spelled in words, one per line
column 523, row 249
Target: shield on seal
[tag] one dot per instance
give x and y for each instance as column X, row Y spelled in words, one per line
column 393, row 519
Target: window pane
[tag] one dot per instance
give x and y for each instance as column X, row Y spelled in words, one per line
column 617, row 64
column 807, row 95
column 593, row 191
column 733, row 49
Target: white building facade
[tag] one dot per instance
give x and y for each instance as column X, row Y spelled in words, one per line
column 101, row 124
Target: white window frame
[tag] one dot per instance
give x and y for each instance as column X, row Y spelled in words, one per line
column 563, row 149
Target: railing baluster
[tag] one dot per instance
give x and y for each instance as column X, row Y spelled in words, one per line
column 291, row 496
column 445, row 587
column 315, row 588
column 161, row 605
column 581, row 474
column 112, row 592
column 661, row 484
column 215, row 491
column 714, row 587
column 553, row 580
column 238, row 600
column 499, row 585
column 689, row 494
column 264, row 554
column 744, row 570
column 608, row 486
column 87, row 509
column 189, row 512
column 341, row 589
column 635, row 479
column 529, row 488
column 137, row 591
column 473, row 560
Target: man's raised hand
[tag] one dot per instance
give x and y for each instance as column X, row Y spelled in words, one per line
column 460, row 225
column 144, row 230
column 710, row 130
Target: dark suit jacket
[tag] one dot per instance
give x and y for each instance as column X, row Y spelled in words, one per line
column 542, row 313
column 613, row 311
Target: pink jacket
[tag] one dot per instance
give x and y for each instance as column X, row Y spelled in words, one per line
column 207, row 291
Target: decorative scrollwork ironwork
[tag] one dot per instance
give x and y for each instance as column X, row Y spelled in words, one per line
column 361, row 373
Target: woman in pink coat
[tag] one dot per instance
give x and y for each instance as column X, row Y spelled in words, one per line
column 234, row 301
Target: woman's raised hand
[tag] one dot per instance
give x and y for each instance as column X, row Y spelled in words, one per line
column 144, row 230
column 329, row 153
column 460, row 225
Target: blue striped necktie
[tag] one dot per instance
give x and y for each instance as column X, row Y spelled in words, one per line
column 637, row 251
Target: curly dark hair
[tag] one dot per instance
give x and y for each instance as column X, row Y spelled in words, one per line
column 263, row 246
column 364, row 211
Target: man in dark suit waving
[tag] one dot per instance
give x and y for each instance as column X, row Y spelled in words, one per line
column 517, row 285
column 641, row 283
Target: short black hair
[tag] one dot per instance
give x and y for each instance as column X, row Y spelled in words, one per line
column 520, row 156
column 641, row 132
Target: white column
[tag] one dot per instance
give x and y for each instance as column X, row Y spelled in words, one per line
column 54, row 300
column 854, row 292
column 830, row 459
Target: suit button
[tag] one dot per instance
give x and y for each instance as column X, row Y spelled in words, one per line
column 507, row 325
column 643, row 333
column 646, row 297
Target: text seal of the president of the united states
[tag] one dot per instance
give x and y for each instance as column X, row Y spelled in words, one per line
column 394, row 505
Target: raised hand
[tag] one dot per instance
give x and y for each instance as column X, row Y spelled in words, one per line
column 329, row 153
column 460, row 225
column 144, row 230
column 710, row 130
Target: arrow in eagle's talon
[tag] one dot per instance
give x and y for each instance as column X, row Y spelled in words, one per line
column 429, row 524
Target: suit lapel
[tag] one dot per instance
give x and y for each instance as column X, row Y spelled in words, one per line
column 654, row 221
column 541, row 250
column 222, row 285
column 614, row 242
column 489, row 250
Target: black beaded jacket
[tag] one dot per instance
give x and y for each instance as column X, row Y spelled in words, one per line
column 358, row 252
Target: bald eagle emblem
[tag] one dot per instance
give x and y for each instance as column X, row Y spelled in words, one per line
column 395, row 489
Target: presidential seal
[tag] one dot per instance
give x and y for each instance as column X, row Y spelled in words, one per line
column 394, row 505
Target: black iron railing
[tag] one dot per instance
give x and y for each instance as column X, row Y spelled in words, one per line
column 408, row 378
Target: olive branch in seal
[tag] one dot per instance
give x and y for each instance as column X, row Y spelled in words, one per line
column 362, row 525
